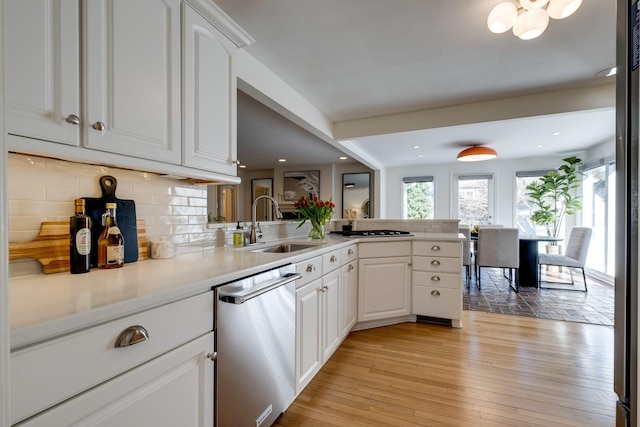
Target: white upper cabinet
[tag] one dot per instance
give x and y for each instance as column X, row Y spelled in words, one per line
column 131, row 82
column 43, row 70
column 209, row 96
column 145, row 84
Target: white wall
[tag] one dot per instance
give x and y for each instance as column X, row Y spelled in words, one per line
column 504, row 176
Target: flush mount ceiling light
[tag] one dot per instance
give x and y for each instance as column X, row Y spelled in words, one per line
column 349, row 185
column 477, row 153
column 529, row 18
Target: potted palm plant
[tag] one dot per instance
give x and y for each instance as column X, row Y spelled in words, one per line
column 553, row 195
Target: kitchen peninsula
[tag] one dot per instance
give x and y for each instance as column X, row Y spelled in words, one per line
column 68, row 310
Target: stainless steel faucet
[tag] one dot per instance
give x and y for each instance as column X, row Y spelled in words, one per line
column 253, row 238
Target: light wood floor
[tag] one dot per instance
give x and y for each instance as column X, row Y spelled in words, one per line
column 498, row 370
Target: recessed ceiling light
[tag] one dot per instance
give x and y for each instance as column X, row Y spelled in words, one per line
column 282, row 160
column 415, row 147
column 539, row 146
column 343, row 157
column 555, row 134
column 419, row 155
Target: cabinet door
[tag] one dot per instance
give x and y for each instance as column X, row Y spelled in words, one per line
column 43, row 70
column 308, row 338
column 384, row 288
column 131, row 90
column 209, row 96
column 175, row 389
column 331, row 326
column 349, row 297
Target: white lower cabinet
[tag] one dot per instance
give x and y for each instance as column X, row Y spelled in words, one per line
column 176, row 389
column 384, row 280
column 152, row 359
column 325, row 310
column 437, row 280
column 348, row 297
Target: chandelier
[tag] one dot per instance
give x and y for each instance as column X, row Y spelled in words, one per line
column 529, row 18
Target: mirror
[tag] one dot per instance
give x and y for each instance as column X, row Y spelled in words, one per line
column 221, row 205
column 356, row 194
column 264, row 208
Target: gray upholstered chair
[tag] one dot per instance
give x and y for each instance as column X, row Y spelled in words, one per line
column 466, row 250
column 498, row 248
column 575, row 255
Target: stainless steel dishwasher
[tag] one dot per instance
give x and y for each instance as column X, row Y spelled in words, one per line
column 255, row 367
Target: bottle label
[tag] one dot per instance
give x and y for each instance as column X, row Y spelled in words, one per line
column 83, row 241
column 114, row 230
column 115, row 254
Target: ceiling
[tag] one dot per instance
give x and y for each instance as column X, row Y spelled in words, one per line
column 360, row 59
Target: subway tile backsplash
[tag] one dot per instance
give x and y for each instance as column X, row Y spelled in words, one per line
column 42, row 189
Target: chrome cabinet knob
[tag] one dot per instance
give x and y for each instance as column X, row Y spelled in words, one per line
column 333, row 258
column 350, row 252
column 99, row 126
column 435, row 293
column 212, row 356
column 73, row 119
column 435, row 262
column 435, row 278
column 132, row 335
column 350, row 267
column 435, row 248
column 311, row 268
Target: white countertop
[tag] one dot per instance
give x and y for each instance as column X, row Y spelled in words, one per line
column 47, row 306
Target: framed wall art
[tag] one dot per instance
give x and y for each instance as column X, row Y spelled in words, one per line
column 298, row 184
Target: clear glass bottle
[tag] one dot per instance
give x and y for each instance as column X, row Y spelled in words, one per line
column 79, row 240
column 111, row 242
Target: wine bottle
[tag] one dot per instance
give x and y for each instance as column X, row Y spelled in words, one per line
column 111, row 242
column 80, row 240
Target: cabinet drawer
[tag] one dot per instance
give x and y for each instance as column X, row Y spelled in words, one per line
column 442, row 280
column 310, row 270
column 330, row 261
column 437, row 264
column 431, row 248
column 48, row 373
column 437, row 302
column 384, row 249
column 348, row 254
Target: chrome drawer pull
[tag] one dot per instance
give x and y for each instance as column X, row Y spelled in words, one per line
column 99, row 126
column 333, row 258
column 435, row 293
column 350, row 267
column 350, row 252
column 435, row 262
column 435, row 248
column 435, row 278
column 132, row 335
column 311, row 268
column 73, row 119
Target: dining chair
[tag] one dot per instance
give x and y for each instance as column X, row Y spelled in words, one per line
column 465, row 230
column 475, row 243
column 498, row 247
column 575, row 256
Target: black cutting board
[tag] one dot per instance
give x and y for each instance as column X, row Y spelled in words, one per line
column 125, row 216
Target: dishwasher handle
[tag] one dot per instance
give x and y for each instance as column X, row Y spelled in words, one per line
column 241, row 298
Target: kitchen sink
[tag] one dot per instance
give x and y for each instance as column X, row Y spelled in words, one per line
column 283, row 248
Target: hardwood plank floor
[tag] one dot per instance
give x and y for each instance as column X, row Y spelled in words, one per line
column 498, row 370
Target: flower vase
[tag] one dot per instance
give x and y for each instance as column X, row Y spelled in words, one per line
column 317, row 230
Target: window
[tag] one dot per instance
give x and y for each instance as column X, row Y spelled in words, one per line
column 523, row 207
column 419, row 197
column 475, row 197
column 598, row 212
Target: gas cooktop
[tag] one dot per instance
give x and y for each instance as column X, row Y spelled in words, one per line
column 372, row 233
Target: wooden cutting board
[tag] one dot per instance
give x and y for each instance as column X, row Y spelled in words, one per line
column 51, row 247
